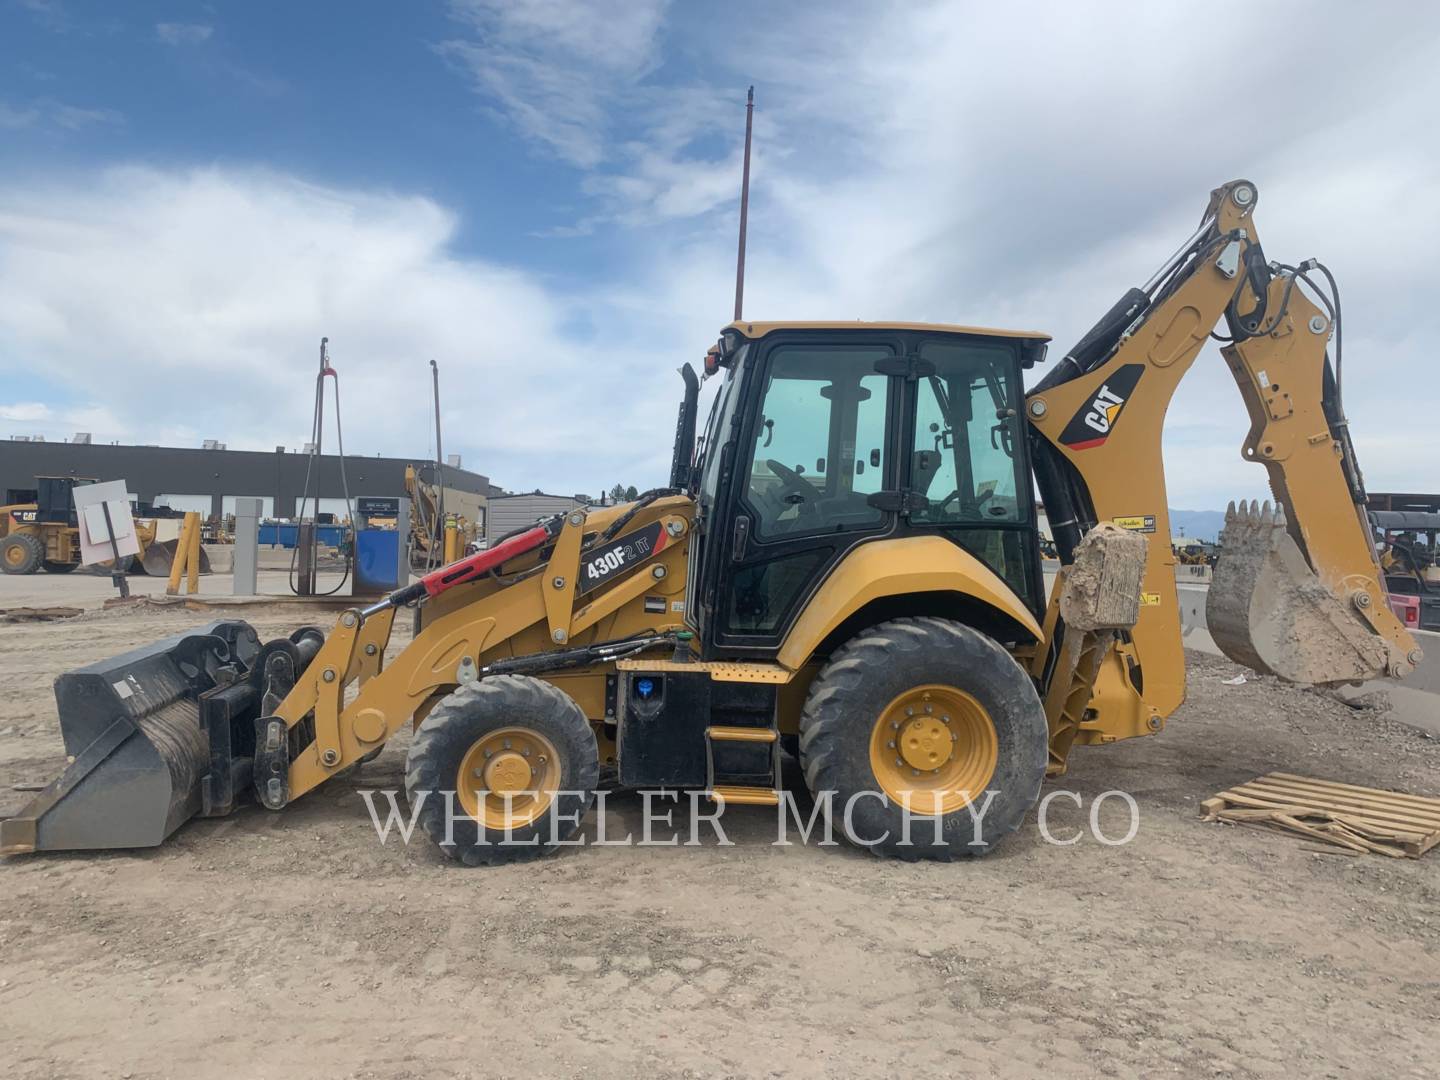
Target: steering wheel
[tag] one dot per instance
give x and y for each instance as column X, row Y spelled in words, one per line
column 938, row 509
column 793, row 484
column 791, row 479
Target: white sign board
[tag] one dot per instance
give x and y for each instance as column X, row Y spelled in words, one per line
column 91, row 502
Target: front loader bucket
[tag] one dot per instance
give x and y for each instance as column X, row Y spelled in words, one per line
column 160, row 557
column 1268, row 610
column 145, row 751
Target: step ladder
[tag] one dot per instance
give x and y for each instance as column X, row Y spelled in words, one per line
column 742, row 750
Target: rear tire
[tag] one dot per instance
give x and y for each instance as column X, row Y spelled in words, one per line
column 21, row 554
column 876, row 691
column 449, row 748
column 59, row 567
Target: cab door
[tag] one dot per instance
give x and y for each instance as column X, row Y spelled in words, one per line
column 966, row 473
column 816, row 443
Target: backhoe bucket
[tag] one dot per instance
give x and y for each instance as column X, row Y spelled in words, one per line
column 154, row 737
column 1268, row 610
column 160, row 557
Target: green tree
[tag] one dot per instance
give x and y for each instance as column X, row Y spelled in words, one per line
column 631, row 494
column 617, row 493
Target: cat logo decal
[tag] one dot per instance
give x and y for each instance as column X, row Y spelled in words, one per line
column 1092, row 425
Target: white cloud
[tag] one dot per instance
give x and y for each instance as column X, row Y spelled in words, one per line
column 555, row 68
column 175, row 33
column 190, row 304
column 26, row 412
column 575, row 78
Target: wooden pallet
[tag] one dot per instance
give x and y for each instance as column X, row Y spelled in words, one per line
column 1354, row 819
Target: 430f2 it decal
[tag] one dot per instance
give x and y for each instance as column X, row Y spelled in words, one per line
column 1092, row 425
column 600, row 565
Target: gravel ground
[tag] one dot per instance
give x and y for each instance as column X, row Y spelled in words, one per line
column 296, row 944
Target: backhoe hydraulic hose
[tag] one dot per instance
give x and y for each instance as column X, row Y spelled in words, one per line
column 602, row 652
column 1332, row 305
column 624, row 519
column 1181, row 254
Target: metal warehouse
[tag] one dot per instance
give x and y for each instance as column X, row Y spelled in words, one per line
column 209, row 480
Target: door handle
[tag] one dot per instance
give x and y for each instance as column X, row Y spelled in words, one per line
column 740, row 539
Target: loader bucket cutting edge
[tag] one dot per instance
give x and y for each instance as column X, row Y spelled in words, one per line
column 141, row 760
column 1267, row 609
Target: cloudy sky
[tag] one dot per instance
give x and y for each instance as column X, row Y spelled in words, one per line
column 542, row 197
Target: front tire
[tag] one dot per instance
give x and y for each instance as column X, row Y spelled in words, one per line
column 21, row 553
column 931, row 715
column 507, row 734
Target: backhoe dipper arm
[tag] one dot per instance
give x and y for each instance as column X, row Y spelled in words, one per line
column 1297, row 592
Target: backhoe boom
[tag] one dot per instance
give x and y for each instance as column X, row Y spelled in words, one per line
column 1297, row 592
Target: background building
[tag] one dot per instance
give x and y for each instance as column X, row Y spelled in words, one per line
column 507, row 512
column 209, row 480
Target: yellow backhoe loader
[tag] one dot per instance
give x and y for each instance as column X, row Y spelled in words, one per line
column 847, row 565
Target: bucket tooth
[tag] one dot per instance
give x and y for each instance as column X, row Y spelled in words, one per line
column 1268, row 610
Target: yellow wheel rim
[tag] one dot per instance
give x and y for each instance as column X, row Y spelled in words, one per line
column 508, row 778
column 16, row 554
column 934, row 749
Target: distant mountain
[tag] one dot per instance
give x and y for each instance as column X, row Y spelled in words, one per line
column 1197, row 524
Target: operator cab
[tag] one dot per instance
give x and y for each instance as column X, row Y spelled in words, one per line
column 825, row 436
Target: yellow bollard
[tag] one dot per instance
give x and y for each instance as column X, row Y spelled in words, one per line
column 192, row 585
column 187, row 555
column 452, row 542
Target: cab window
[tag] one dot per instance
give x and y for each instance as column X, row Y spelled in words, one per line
column 818, row 449
column 963, row 459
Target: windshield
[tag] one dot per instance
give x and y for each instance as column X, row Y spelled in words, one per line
column 717, row 428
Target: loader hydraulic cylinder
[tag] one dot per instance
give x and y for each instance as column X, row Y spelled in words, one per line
column 467, row 569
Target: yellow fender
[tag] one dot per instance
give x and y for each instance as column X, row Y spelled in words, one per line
column 914, row 564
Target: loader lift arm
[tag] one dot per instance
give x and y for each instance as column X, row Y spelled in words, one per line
column 548, row 596
column 1297, row 591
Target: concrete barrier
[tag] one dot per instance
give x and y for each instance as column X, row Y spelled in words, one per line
column 221, row 556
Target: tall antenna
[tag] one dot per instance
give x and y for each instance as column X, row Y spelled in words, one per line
column 435, row 555
column 744, row 207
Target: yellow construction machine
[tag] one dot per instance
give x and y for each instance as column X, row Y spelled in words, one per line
column 846, row 565
column 436, row 537
column 44, row 534
column 41, row 534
